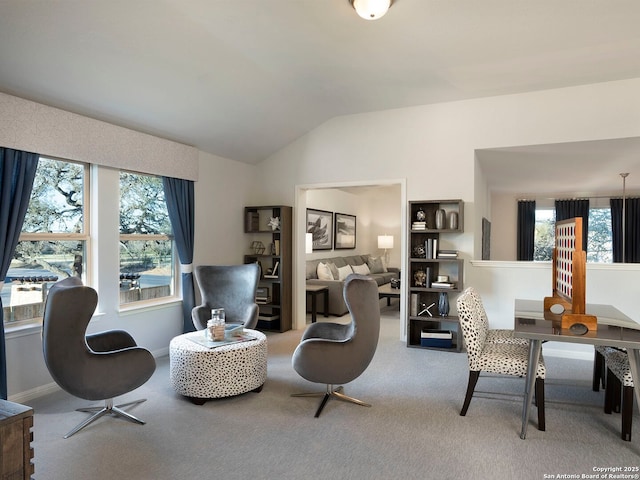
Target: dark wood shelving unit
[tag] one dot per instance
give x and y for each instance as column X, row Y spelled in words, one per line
column 276, row 314
column 423, row 232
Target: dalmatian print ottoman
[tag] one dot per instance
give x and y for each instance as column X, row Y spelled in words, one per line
column 200, row 373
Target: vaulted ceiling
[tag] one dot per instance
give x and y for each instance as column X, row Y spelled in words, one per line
column 243, row 78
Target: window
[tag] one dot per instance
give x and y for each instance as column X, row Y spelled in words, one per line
column 599, row 239
column 53, row 242
column 146, row 247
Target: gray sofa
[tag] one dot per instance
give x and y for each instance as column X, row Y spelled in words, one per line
column 337, row 306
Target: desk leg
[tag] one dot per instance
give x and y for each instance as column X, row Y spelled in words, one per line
column 534, row 357
column 634, row 365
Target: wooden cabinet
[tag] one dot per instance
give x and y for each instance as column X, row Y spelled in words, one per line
column 269, row 232
column 434, row 268
column 16, row 454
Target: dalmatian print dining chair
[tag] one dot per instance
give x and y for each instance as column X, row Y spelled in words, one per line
column 495, row 335
column 500, row 358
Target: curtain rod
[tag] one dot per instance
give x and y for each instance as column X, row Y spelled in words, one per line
column 576, row 198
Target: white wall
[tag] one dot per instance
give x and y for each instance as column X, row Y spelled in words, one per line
column 432, row 148
column 377, row 211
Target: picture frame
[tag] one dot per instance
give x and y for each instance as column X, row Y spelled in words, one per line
column 320, row 224
column 344, row 231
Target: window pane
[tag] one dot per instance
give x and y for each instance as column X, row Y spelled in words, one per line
column 142, row 206
column 599, row 242
column 36, row 265
column 544, row 235
column 146, row 248
column 146, row 270
column 57, row 198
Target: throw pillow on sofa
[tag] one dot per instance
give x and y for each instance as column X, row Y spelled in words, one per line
column 324, row 272
column 344, row 272
column 375, row 265
column 334, row 270
column 361, row 269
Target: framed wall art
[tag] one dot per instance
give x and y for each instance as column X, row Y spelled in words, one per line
column 320, row 225
column 344, row 231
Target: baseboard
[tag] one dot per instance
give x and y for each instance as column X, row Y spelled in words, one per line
column 42, row 390
column 28, row 395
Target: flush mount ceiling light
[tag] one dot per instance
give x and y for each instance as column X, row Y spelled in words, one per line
column 371, row 9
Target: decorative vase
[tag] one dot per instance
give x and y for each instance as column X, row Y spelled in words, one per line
column 453, row 221
column 443, row 304
column 441, row 215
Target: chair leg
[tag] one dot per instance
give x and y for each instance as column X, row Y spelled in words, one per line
column 627, row 412
column 599, row 372
column 540, row 403
column 471, row 386
column 608, row 396
column 108, row 409
column 331, row 392
column 616, row 391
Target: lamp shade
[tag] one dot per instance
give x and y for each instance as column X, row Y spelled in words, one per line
column 385, row 241
column 371, row 9
column 308, row 243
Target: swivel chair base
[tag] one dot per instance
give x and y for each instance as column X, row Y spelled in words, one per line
column 331, row 392
column 108, row 409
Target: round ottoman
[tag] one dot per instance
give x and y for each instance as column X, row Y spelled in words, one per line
column 200, row 372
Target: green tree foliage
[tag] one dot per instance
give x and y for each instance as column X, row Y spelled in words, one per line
column 544, row 239
column 142, row 206
column 599, row 243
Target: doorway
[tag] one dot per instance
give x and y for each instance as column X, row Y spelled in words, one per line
column 392, row 220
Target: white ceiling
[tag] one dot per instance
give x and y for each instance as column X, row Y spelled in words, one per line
column 243, row 78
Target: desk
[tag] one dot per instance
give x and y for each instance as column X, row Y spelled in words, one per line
column 314, row 291
column 614, row 329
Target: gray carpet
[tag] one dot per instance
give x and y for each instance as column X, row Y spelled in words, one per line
column 413, row 430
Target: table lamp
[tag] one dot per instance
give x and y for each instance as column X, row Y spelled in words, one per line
column 385, row 242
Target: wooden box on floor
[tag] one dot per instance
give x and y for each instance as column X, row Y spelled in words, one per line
column 16, row 454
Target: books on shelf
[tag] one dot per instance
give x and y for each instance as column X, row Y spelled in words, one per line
column 263, row 300
column 418, row 225
column 431, row 333
column 253, row 222
column 447, row 254
column 274, row 271
column 436, row 338
column 443, row 284
column 268, row 316
column 431, row 247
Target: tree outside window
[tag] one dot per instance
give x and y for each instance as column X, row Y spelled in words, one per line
column 53, row 241
column 599, row 242
column 146, row 246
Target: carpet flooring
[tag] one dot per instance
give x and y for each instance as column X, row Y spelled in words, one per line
column 412, row 431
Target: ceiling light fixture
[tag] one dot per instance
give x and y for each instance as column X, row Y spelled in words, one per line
column 371, row 9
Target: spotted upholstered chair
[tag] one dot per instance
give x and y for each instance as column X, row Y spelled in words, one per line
column 494, row 335
column 619, row 378
column 500, row 358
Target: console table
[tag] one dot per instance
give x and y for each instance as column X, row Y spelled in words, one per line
column 16, row 454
